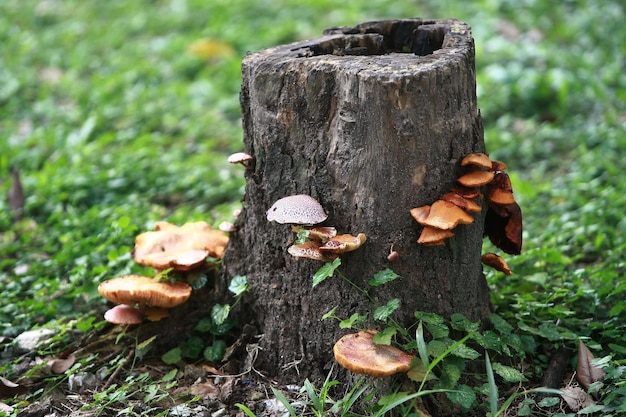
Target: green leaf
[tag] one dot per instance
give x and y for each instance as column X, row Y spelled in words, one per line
column 500, row 324
column 493, row 388
column 465, row 352
column 326, row 271
column 383, row 277
column 422, row 347
column 172, row 356
column 463, row 396
column 216, row 351
column 330, row 313
column 384, row 337
column 238, row 285
column 354, row 319
column 170, row 375
column 219, row 313
column 460, row 322
column 508, row 373
column 382, row 313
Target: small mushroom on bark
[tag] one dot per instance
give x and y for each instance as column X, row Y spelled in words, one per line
column 431, row 236
column 242, row 158
column 308, row 250
column 476, row 178
column 358, row 353
column 477, row 159
column 343, row 243
column 444, row 215
column 297, row 209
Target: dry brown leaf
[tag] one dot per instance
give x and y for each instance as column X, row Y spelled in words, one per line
column 9, row 389
column 576, row 398
column 206, row 390
column 59, row 366
column 586, row 372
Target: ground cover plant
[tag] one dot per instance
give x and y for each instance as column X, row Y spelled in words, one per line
column 115, row 116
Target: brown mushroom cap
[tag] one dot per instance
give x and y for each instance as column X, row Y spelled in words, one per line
column 498, row 166
column 433, row 237
column 343, row 243
column 446, row 216
column 477, row 159
column 461, row 202
column 181, row 248
column 420, row 213
column 297, row 209
column 309, row 250
column 476, row 178
column 123, row 314
column 318, row 233
column 495, row 261
column 503, row 226
column 497, row 195
column 358, row 353
column 137, row 289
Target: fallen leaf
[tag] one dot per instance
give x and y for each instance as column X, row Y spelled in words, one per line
column 576, row 398
column 586, row 372
column 59, row 366
column 10, row 389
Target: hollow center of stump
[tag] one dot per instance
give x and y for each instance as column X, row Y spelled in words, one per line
column 379, row 38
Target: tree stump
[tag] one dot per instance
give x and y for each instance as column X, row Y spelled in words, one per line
column 371, row 121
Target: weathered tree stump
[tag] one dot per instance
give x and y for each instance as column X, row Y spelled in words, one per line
column 371, row 121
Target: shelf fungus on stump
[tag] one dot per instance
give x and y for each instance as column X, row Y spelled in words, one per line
column 358, row 353
column 503, row 220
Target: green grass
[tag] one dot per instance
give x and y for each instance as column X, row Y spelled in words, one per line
column 113, row 125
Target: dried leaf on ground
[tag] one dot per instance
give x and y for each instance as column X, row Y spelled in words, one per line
column 586, row 371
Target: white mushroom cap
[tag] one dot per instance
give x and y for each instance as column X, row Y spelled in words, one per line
column 297, row 209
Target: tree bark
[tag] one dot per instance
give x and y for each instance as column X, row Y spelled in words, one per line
column 371, row 121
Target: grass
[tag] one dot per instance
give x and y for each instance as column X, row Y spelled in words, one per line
column 114, row 124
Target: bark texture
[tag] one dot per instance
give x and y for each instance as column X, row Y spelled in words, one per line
column 371, row 121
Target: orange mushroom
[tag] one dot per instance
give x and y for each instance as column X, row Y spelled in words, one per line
column 343, row 243
column 358, row 353
column 137, row 289
column 431, row 236
column 476, row 178
column 477, row 159
column 444, row 215
column 308, row 250
column 182, row 248
column 462, row 202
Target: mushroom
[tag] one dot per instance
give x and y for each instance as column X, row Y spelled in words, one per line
column 461, row 202
column 318, row 233
column 394, row 255
column 182, row 248
column 123, row 314
column 297, row 209
column 498, row 166
column 444, row 215
column 496, row 262
column 137, row 289
column 420, row 213
column 476, row 178
column 477, row 159
column 358, row 353
column 309, row 250
column 343, row 243
column 499, row 196
column 242, row 158
column 431, row 236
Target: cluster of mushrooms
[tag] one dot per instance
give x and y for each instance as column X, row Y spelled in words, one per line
column 503, row 220
column 320, row 243
column 182, row 249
